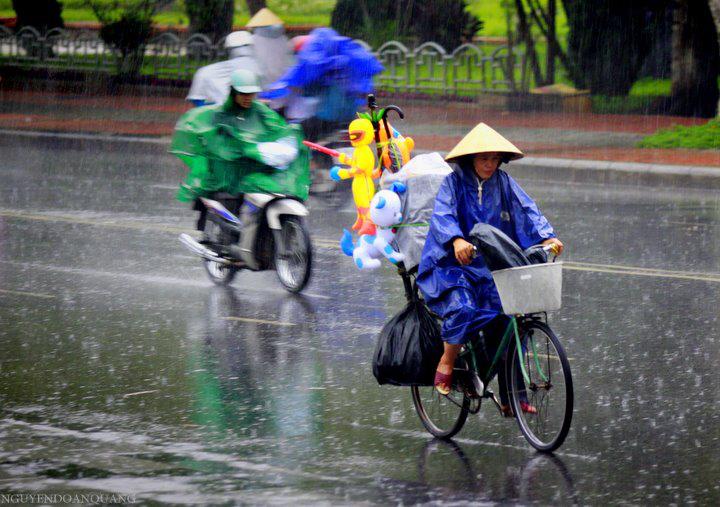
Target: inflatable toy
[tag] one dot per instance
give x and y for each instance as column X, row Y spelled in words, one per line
column 395, row 149
column 386, row 213
column 362, row 165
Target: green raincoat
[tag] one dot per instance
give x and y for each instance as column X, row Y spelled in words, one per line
column 222, row 147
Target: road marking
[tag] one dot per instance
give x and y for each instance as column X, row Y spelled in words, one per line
column 189, row 450
column 119, row 224
column 128, row 395
column 89, row 137
column 468, row 441
column 636, row 271
column 260, row 321
column 165, row 187
column 152, row 279
column 691, row 224
column 615, row 269
column 25, row 293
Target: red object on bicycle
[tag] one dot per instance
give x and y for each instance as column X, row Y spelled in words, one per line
column 321, row 149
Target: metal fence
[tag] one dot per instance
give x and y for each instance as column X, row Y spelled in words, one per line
column 429, row 68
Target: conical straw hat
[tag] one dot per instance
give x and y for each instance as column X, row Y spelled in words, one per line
column 483, row 139
column 264, row 17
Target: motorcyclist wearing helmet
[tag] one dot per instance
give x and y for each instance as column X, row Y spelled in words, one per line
column 210, row 84
column 239, row 146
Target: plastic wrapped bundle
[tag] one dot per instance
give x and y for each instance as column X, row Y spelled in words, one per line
column 422, row 177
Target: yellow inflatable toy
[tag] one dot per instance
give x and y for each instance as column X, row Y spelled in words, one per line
column 362, row 164
column 395, row 150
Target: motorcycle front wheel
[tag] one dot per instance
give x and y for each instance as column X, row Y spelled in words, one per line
column 293, row 254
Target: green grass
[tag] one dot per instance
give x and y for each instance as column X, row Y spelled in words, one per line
column 649, row 87
column 492, row 13
column 698, row 137
column 307, row 12
column 313, row 12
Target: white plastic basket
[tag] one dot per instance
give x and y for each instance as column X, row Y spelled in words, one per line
column 530, row 289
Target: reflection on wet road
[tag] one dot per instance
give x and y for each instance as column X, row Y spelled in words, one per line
column 124, row 370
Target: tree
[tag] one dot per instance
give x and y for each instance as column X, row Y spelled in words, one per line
column 255, row 5
column 126, row 26
column 609, row 41
column 446, row 22
column 213, row 18
column 695, row 60
column 715, row 11
column 43, row 15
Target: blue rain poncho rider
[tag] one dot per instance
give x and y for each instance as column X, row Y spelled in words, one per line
column 463, row 293
column 335, row 71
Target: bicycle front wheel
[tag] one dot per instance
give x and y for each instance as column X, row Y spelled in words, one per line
column 548, row 387
column 442, row 416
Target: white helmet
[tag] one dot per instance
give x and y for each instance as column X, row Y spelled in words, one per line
column 237, row 39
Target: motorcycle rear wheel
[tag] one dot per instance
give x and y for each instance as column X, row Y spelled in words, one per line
column 219, row 274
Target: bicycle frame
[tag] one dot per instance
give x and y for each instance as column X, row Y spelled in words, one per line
column 511, row 331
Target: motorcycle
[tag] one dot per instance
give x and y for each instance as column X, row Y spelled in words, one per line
column 333, row 194
column 269, row 234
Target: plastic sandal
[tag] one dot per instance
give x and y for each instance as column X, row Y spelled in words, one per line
column 442, row 380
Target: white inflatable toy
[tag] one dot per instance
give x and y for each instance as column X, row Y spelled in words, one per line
column 386, row 214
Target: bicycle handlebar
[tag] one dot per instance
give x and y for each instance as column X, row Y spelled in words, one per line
column 551, row 248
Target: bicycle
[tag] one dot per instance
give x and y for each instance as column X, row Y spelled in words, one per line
column 537, row 368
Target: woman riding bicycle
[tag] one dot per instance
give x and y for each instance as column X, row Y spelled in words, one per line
column 456, row 284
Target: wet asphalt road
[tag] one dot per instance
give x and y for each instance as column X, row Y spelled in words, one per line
column 124, row 370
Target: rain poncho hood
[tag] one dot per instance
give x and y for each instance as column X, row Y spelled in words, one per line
column 465, row 296
column 236, row 150
column 211, row 83
column 272, row 50
column 328, row 60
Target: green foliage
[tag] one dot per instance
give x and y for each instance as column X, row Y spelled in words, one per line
column 43, row 15
column 211, row 17
column 492, row 12
column 373, row 116
column 446, row 22
column 126, row 26
column 698, row 137
column 609, row 41
column 649, row 87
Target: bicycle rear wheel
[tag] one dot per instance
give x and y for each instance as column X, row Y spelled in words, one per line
column 550, row 387
column 442, row 416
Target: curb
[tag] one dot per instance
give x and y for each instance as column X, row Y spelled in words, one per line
column 618, row 173
column 614, row 173
column 529, row 168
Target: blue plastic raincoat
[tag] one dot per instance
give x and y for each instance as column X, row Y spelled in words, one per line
column 465, row 296
column 336, row 69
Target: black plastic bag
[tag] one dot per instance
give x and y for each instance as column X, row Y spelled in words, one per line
column 409, row 348
column 496, row 247
column 500, row 252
